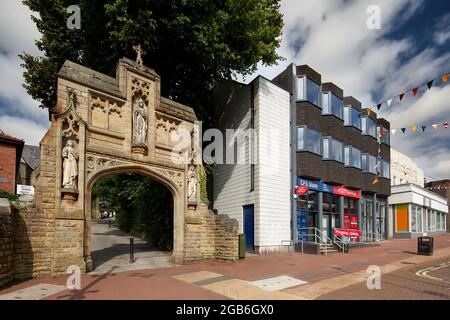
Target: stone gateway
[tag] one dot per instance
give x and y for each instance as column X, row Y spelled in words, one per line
column 102, row 125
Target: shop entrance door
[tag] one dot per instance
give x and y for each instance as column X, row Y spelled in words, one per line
column 329, row 222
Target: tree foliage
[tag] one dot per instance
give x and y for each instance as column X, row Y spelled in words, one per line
column 192, row 44
column 143, row 206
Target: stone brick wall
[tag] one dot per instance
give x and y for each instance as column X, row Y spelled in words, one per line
column 6, row 243
column 226, row 238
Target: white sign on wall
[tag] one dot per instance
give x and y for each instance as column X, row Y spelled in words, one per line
column 24, row 189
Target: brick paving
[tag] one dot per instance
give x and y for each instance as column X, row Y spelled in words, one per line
column 403, row 284
column 161, row 284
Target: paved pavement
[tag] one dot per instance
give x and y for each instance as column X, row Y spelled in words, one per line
column 111, row 247
column 320, row 277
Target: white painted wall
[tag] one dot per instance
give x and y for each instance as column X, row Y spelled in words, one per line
column 273, row 210
column 271, row 195
column 404, row 170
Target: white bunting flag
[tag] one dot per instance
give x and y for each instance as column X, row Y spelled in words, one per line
column 388, row 103
column 394, row 131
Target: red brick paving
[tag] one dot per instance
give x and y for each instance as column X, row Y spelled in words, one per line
column 159, row 284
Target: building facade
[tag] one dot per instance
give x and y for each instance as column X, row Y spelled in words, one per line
column 404, row 170
column 415, row 211
column 10, row 153
column 340, row 158
column 251, row 182
column 442, row 188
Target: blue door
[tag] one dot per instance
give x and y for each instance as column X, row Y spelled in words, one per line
column 249, row 227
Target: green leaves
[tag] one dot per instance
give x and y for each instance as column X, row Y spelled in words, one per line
column 191, row 44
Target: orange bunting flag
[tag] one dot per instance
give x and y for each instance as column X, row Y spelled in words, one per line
column 402, row 96
column 369, row 111
column 435, row 126
column 414, row 91
column 445, row 77
column 414, row 128
column 375, row 181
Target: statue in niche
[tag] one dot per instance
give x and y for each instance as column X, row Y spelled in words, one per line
column 139, row 54
column 192, row 184
column 140, row 123
column 70, row 166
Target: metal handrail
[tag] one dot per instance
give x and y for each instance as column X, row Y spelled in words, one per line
column 322, row 238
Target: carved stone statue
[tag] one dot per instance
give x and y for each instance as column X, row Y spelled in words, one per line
column 192, row 184
column 139, row 53
column 140, row 123
column 70, row 166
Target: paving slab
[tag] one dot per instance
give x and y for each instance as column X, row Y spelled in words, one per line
column 277, row 283
column 37, row 292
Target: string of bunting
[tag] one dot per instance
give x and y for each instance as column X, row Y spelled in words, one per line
column 414, row 91
column 420, row 128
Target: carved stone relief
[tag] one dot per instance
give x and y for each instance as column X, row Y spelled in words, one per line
column 95, row 164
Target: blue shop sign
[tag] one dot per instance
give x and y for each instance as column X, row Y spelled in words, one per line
column 315, row 185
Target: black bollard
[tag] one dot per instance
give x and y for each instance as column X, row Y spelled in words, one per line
column 131, row 250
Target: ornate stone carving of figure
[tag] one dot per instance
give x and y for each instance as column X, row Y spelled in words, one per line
column 70, row 166
column 192, row 184
column 140, row 123
column 139, row 54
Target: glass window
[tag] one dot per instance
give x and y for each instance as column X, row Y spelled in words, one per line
column 326, row 147
column 300, row 138
column 336, row 106
column 347, row 156
column 383, row 135
column 326, row 102
column 313, row 92
column 368, row 126
column 300, row 88
column 386, row 169
column 356, row 158
column 369, row 163
column 413, row 219
column 352, row 117
column 334, row 149
column 308, row 140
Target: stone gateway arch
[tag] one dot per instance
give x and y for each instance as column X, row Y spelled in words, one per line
column 102, row 125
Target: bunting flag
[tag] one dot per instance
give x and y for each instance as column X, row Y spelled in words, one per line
column 413, row 128
column 375, row 181
column 369, row 111
column 415, row 90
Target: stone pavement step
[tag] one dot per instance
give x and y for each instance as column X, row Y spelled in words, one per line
column 37, row 292
column 315, row 290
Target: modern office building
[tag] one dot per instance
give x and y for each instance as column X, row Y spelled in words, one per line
column 324, row 165
column 340, row 156
column 251, row 181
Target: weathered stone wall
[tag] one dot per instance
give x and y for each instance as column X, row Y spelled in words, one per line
column 226, row 238
column 6, row 243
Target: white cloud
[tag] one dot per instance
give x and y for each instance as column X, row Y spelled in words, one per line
column 28, row 130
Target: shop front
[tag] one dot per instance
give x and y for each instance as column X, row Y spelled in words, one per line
column 325, row 207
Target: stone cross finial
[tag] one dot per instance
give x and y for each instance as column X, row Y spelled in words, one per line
column 139, row 53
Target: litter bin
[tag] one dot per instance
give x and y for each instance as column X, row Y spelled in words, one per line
column 425, row 246
column 242, row 246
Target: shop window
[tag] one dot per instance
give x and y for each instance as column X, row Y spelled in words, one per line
column 333, row 149
column 308, row 140
column 368, row 126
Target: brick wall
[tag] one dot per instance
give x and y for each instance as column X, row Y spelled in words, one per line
column 7, row 168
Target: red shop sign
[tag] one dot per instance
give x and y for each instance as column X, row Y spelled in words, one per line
column 343, row 191
column 350, row 233
column 301, row 190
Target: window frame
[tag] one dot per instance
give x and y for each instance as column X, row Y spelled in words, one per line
column 305, row 80
column 330, row 148
column 362, row 163
column 330, row 110
column 306, row 131
column 351, row 150
column 352, row 109
column 364, row 131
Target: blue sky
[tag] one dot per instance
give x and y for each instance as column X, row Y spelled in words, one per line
column 331, row 36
